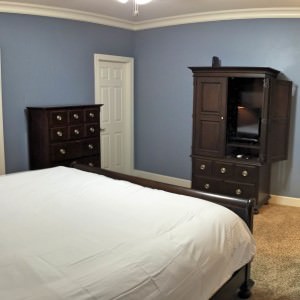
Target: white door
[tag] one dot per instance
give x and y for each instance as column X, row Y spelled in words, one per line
column 114, row 89
column 2, row 161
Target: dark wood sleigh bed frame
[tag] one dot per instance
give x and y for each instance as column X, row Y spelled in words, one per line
column 240, row 283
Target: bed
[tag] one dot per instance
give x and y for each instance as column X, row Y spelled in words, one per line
column 83, row 233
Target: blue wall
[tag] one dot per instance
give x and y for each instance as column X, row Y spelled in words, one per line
column 47, row 61
column 50, row 61
column 163, row 109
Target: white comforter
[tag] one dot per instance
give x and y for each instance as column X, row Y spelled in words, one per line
column 68, row 234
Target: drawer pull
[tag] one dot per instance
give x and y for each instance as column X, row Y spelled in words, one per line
column 92, row 115
column 206, row 186
column 62, row 151
column 245, row 173
column 238, row 191
column 91, row 164
column 59, row 133
column 76, row 131
column 90, row 146
column 202, row 167
column 76, row 116
column 58, row 117
column 223, row 170
column 92, row 129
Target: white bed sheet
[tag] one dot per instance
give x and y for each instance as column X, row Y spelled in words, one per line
column 68, row 234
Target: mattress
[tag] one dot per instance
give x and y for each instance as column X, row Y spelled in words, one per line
column 69, row 234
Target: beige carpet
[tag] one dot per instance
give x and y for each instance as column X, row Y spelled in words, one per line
column 276, row 267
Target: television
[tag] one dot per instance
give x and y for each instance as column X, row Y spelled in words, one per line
column 248, row 124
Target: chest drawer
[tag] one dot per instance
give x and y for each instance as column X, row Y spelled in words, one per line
column 58, row 134
column 91, row 115
column 90, row 147
column 76, row 131
column 91, row 130
column 58, row 117
column 75, row 149
column 75, row 116
column 67, row 150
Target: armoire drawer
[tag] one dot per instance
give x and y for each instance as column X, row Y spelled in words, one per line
column 245, row 173
column 222, row 170
column 201, row 167
column 206, row 184
column 236, row 189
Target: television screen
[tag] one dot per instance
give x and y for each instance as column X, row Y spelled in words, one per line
column 248, row 123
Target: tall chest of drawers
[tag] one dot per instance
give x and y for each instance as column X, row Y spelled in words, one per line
column 61, row 135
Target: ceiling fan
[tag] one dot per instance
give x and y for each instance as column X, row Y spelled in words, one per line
column 136, row 4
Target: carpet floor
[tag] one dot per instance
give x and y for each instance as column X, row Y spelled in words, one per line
column 276, row 266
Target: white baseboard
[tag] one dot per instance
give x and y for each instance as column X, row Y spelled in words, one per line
column 278, row 200
column 286, row 201
column 162, row 178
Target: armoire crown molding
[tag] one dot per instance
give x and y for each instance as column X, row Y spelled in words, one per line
column 63, row 13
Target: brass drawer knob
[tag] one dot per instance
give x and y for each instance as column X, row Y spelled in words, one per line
column 238, row 191
column 245, row 173
column 92, row 129
column 62, row 151
column 59, row 133
column 76, row 131
column 202, row 167
column 92, row 115
column 76, row 116
column 58, row 117
column 206, row 186
column 223, row 170
column 91, row 146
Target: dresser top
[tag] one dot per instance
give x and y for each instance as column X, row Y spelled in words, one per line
column 49, row 107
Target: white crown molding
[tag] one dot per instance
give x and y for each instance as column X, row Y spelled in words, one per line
column 63, row 13
column 238, row 14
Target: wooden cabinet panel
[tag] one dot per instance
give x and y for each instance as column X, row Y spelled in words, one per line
column 209, row 116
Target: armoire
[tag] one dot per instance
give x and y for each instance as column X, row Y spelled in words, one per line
column 241, row 120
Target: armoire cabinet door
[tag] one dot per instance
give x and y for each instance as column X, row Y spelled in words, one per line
column 210, row 95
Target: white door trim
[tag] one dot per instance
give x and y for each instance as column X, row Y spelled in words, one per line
column 2, row 157
column 129, row 109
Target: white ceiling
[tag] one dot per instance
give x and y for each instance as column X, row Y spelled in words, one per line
column 157, row 10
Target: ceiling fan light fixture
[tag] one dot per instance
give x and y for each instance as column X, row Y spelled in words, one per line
column 141, row 2
column 136, row 4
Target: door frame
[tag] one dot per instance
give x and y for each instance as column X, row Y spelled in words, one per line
column 2, row 156
column 129, row 108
